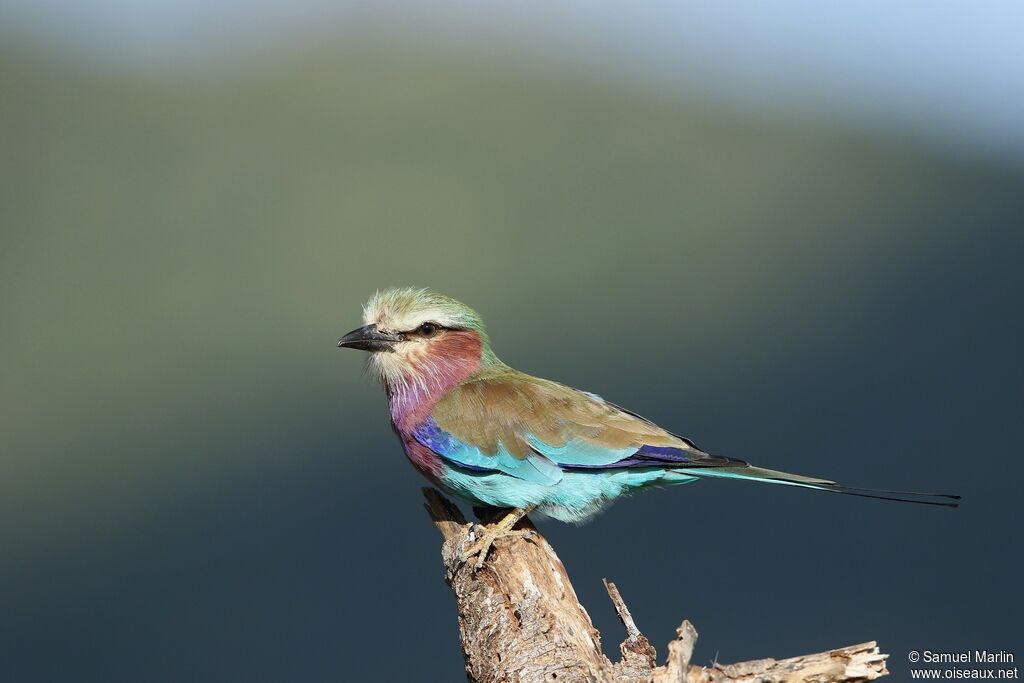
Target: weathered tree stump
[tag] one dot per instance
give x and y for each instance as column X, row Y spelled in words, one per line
column 520, row 622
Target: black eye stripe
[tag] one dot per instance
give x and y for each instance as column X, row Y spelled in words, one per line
column 427, row 329
column 438, row 327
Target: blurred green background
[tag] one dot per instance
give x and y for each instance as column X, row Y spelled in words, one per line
column 195, row 484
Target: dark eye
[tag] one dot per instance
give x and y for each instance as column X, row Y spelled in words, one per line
column 427, row 329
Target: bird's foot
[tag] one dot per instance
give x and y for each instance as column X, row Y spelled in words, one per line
column 487, row 535
column 483, row 544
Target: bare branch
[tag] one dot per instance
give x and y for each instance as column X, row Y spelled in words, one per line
column 853, row 663
column 680, row 651
column 520, row 622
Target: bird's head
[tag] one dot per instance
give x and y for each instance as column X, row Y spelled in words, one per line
column 419, row 337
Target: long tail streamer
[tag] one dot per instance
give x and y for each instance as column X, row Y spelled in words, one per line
column 767, row 476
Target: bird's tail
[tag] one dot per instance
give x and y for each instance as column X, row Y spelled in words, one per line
column 760, row 474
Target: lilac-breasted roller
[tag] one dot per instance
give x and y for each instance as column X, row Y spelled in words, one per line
column 495, row 436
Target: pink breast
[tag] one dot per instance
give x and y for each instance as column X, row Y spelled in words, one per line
column 422, row 458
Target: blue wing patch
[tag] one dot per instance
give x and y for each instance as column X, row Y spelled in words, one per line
column 665, row 457
column 547, row 463
column 577, row 452
column 534, row 468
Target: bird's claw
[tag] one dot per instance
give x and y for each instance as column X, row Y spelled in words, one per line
column 486, row 539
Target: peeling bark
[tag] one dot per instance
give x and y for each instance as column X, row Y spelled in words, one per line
column 520, row 622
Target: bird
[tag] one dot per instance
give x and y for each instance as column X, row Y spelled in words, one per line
column 496, row 437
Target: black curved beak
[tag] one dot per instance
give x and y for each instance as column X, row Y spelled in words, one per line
column 368, row 338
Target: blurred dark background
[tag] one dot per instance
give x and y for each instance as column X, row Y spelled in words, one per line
column 816, row 217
